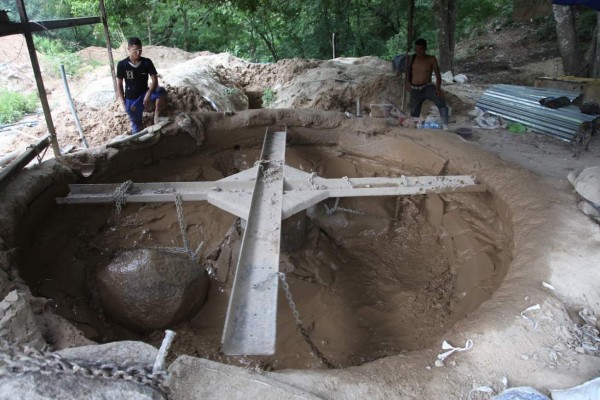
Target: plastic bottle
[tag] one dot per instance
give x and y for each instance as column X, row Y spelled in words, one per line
column 431, row 125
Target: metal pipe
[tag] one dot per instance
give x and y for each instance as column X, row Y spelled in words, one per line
column 72, row 105
column 37, row 73
column 32, row 122
column 20, row 162
column 159, row 362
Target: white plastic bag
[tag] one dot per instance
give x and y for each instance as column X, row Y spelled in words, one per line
column 520, row 393
column 460, row 78
column 447, row 77
column 588, row 390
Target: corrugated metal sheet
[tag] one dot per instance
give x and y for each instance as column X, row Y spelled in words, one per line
column 521, row 104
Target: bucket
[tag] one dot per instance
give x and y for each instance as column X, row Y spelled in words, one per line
column 380, row 110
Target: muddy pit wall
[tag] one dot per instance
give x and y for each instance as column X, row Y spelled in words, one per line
column 30, row 198
column 529, row 209
column 520, row 197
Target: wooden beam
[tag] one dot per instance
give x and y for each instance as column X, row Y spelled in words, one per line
column 37, row 73
column 21, row 162
column 13, row 28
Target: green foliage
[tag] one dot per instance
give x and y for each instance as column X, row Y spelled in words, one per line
column 586, row 22
column 268, row 97
column 266, row 30
column 54, row 53
column 472, row 14
column 14, row 105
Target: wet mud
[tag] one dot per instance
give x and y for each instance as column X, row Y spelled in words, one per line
column 377, row 277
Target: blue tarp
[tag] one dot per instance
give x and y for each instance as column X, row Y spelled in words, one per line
column 595, row 4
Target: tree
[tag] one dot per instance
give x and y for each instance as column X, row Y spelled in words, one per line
column 568, row 43
column 595, row 50
column 445, row 15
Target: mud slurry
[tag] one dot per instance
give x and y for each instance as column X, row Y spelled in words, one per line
column 375, row 277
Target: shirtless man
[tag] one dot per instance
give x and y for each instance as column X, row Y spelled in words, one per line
column 418, row 80
column 134, row 71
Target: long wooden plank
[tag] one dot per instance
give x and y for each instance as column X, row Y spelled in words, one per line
column 250, row 325
column 13, row 28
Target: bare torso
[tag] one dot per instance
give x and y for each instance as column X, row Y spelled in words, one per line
column 422, row 68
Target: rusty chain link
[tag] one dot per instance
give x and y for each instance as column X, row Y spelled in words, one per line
column 18, row 360
column 303, row 332
column 120, row 199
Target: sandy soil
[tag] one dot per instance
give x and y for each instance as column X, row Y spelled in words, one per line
column 327, row 85
column 335, row 85
column 351, row 291
column 402, row 280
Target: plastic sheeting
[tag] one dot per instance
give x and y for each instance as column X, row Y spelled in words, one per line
column 595, row 4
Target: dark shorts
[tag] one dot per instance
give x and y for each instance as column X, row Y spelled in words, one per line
column 418, row 96
column 135, row 108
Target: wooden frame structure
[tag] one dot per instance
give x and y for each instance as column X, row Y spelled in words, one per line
column 26, row 28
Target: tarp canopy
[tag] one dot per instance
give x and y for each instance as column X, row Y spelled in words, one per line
column 595, row 4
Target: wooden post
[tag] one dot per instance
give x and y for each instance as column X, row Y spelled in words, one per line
column 38, row 77
column 108, row 46
column 333, row 43
column 407, row 63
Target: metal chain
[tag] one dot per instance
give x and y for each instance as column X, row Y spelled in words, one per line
column 120, row 199
column 186, row 242
column 179, row 208
column 19, row 360
column 347, row 182
column 313, row 185
column 336, row 207
column 303, row 332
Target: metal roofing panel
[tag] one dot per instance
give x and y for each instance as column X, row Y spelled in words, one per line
column 521, row 104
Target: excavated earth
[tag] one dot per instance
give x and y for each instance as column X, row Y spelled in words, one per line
column 378, row 291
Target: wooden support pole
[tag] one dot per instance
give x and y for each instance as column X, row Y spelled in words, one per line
column 14, row 28
column 38, row 77
column 333, row 44
column 409, row 39
column 108, row 46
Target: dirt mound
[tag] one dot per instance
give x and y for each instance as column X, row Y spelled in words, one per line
column 166, row 57
column 258, row 77
column 212, row 84
column 182, row 98
column 93, row 53
column 504, row 54
column 337, row 84
column 15, row 69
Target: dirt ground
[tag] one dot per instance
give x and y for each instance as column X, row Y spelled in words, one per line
column 493, row 55
column 335, row 85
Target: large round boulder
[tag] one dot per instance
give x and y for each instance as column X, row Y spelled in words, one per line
column 146, row 290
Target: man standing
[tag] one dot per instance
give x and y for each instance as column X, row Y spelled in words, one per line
column 418, row 80
column 137, row 96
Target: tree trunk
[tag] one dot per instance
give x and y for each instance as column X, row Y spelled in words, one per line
column 186, row 31
column 595, row 54
column 149, row 26
column 445, row 15
column 572, row 57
